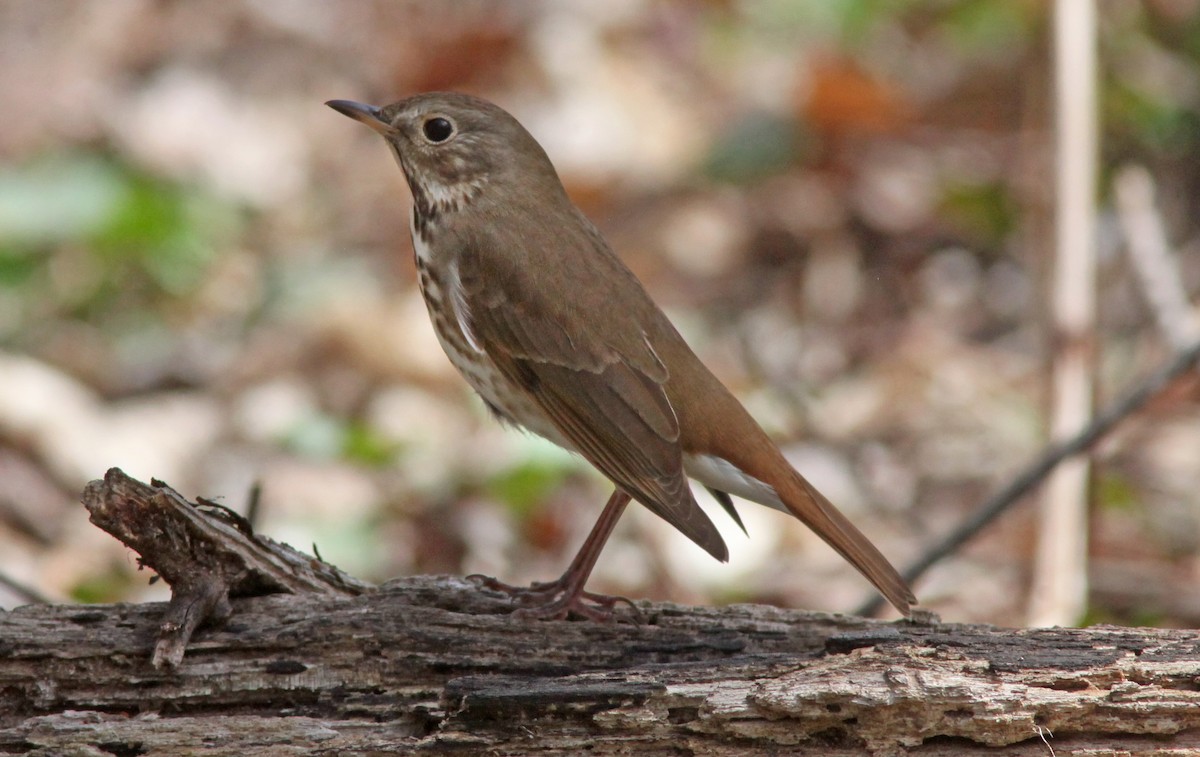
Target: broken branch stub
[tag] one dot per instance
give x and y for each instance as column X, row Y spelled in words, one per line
column 206, row 555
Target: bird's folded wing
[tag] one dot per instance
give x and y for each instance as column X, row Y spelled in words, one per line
column 619, row 420
column 615, row 414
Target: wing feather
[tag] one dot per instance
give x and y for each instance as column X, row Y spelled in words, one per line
column 605, row 395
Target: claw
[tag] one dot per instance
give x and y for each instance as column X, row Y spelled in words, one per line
column 565, row 597
column 555, row 600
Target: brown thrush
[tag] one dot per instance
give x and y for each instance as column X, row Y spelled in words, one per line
column 557, row 335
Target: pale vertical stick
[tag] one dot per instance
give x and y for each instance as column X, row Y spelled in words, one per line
column 1059, row 592
column 1153, row 260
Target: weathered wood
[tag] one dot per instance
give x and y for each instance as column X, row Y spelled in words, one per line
column 432, row 663
column 207, row 553
column 436, row 664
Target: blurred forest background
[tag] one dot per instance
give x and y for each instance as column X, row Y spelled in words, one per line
column 847, row 208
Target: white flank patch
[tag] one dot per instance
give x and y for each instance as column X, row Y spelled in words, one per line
column 718, row 473
column 462, row 312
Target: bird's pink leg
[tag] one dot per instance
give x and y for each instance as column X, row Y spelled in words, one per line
column 565, row 596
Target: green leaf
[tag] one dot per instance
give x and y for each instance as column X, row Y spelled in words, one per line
column 525, row 485
column 59, row 199
column 758, row 146
column 987, row 210
column 365, row 445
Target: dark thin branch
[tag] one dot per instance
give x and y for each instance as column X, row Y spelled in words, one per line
column 1054, row 454
column 27, row 593
column 254, row 504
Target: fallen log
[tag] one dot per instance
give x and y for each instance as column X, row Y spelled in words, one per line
column 433, row 664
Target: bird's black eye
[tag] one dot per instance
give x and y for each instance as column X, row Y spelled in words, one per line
column 438, row 129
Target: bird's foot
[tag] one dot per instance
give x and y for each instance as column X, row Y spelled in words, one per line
column 558, row 600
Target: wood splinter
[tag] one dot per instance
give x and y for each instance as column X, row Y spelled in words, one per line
column 206, row 554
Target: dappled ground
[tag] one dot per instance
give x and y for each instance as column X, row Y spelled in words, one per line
column 205, row 277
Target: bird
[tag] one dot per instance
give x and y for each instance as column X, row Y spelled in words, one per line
column 559, row 337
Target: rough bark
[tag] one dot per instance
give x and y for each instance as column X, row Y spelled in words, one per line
column 434, row 664
column 207, row 553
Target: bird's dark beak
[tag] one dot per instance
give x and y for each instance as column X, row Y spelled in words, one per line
column 368, row 114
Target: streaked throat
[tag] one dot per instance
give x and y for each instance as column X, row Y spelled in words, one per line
column 433, row 199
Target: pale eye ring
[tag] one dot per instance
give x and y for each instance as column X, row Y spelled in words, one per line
column 437, row 129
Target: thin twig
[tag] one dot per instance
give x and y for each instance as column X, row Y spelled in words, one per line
column 1037, row 470
column 28, row 593
column 254, row 504
column 1155, row 265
